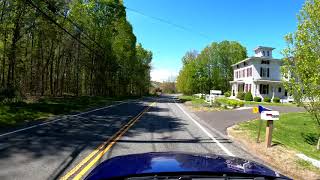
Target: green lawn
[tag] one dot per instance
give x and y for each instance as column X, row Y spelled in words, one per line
column 269, row 104
column 294, row 130
column 194, row 100
column 16, row 113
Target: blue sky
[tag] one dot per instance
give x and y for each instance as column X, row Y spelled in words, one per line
column 252, row 23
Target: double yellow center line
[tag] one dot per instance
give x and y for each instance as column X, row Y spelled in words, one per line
column 79, row 170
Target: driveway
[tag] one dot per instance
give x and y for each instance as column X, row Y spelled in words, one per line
column 221, row 120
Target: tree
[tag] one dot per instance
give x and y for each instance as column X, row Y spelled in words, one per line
column 302, row 61
column 56, row 48
column 211, row 69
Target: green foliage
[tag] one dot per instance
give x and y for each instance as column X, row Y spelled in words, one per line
column 227, row 94
column 230, row 102
column 276, row 100
column 39, row 58
column 248, row 96
column 294, row 130
column 301, row 63
column 267, row 99
column 257, row 99
column 211, row 69
column 241, row 95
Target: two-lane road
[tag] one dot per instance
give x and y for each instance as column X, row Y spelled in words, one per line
column 70, row 148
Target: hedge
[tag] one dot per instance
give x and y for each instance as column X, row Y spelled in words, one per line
column 227, row 94
column 248, row 96
column 230, row 102
column 257, row 99
column 241, row 95
column 266, row 99
column 276, row 100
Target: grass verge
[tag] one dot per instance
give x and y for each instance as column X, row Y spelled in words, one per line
column 12, row 114
column 294, row 130
column 269, row 104
column 293, row 133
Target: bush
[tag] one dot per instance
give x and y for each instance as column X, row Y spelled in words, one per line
column 267, row 99
column 248, row 96
column 276, row 100
column 227, row 94
column 241, row 95
column 216, row 103
column 230, row 102
column 257, row 99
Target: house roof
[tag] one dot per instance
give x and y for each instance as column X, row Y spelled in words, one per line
column 255, row 58
column 264, row 47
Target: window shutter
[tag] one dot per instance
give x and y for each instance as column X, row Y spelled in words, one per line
column 268, row 72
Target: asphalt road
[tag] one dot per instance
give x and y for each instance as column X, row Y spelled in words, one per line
column 67, row 148
column 221, row 120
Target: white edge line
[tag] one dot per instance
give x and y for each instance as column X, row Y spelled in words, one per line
column 52, row 121
column 205, row 131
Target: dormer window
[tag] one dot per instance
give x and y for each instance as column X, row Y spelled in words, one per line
column 265, row 62
column 245, row 63
column 238, row 66
column 263, row 53
column 268, row 53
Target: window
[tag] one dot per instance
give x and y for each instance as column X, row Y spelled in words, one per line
column 246, row 88
column 238, row 66
column 249, row 72
column 264, row 89
column 245, row 63
column 264, row 72
column 265, row 62
column 268, row 53
column 279, row 89
column 244, row 72
column 249, row 87
column 263, row 53
column 285, row 93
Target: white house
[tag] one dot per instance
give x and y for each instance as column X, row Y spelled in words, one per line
column 259, row 75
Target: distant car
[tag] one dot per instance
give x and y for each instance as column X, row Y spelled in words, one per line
column 171, row 165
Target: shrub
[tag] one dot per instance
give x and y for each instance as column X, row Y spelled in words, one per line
column 230, row 102
column 257, row 99
column 241, row 104
column 276, row 100
column 248, row 96
column 267, row 99
column 241, row 95
column 216, row 103
column 227, row 94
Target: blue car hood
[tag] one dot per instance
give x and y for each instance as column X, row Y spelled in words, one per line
column 177, row 163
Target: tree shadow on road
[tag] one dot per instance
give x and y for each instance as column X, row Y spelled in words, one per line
column 61, row 142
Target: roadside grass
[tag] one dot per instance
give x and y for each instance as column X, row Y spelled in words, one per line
column 12, row 114
column 297, row 131
column 192, row 99
column 260, row 103
column 269, row 104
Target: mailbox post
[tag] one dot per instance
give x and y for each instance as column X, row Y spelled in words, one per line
column 269, row 116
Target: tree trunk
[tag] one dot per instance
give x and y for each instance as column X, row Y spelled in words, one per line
column 318, row 145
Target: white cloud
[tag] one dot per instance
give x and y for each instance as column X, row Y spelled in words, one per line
column 161, row 75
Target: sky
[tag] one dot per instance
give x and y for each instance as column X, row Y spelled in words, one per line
column 170, row 28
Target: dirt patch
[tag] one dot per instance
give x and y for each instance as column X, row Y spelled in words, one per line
column 278, row 156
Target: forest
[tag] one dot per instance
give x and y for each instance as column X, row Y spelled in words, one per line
column 211, row 68
column 78, row 48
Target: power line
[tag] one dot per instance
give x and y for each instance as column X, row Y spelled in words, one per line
column 53, row 10
column 57, row 24
column 170, row 23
